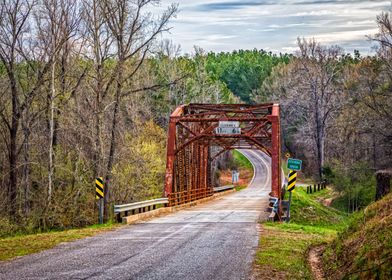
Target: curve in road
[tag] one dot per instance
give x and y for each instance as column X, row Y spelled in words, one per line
column 215, row 240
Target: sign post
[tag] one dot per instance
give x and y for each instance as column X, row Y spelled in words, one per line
column 293, row 165
column 99, row 194
column 235, row 176
column 290, row 188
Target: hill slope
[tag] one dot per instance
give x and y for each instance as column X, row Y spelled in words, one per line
column 364, row 249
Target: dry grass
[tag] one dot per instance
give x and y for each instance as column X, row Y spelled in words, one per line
column 16, row 246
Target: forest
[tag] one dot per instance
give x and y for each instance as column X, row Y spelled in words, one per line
column 86, row 90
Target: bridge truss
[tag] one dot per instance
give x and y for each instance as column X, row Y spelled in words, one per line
column 194, row 143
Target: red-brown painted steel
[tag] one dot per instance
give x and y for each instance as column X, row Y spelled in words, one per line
column 193, row 144
column 275, row 152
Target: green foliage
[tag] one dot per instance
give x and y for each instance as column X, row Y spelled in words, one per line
column 7, row 228
column 194, row 84
column 307, row 210
column 74, row 196
column 139, row 174
column 243, row 71
column 356, row 185
column 241, row 161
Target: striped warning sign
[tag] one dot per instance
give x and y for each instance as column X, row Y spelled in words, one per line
column 99, row 188
column 292, row 180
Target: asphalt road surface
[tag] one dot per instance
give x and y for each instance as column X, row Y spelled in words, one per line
column 215, row 240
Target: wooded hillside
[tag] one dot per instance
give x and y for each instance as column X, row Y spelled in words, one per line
column 86, row 91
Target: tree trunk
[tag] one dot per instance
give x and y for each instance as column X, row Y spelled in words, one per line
column 51, row 133
column 97, row 139
column 319, row 140
column 26, row 164
column 112, row 144
column 13, row 179
column 98, row 122
column 383, row 183
column 322, row 152
column 13, row 184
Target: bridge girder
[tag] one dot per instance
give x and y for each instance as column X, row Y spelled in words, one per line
column 193, row 144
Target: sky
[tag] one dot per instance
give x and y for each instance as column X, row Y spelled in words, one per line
column 226, row 25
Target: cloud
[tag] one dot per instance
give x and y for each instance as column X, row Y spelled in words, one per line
column 225, row 25
column 315, row 13
column 334, row 2
column 231, row 5
column 344, row 36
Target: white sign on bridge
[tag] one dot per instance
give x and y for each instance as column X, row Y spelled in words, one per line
column 228, row 127
column 228, row 130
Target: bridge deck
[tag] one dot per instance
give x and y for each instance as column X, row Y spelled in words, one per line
column 216, row 240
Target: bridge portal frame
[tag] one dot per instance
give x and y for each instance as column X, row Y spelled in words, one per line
column 193, row 144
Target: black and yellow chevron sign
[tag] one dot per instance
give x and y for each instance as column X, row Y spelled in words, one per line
column 292, row 180
column 99, row 188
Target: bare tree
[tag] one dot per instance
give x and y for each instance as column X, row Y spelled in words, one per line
column 134, row 30
column 99, row 50
column 60, row 20
column 15, row 38
column 309, row 90
column 384, row 35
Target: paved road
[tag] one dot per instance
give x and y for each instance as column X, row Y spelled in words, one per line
column 216, row 240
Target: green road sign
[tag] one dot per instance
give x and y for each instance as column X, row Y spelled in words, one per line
column 294, row 164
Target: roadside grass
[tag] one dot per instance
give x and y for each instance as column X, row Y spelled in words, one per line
column 364, row 249
column 20, row 245
column 283, row 247
column 306, row 209
column 240, row 187
column 241, row 160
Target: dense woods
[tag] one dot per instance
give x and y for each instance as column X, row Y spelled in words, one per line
column 336, row 113
column 86, row 90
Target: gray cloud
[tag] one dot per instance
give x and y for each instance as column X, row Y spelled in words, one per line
column 231, row 5
column 225, row 25
column 318, row 2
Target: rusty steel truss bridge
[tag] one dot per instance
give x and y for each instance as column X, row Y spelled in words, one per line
column 195, row 141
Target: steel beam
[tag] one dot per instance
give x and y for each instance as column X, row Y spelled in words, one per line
column 191, row 137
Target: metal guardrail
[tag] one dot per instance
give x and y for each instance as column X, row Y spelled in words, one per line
column 139, row 205
column 144, row 206
column 224, row 188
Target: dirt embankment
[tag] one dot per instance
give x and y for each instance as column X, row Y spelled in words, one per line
column 363, row 250
column 315, row 262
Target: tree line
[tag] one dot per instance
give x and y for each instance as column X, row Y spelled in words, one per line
column 337, row 112
column 86, row 90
